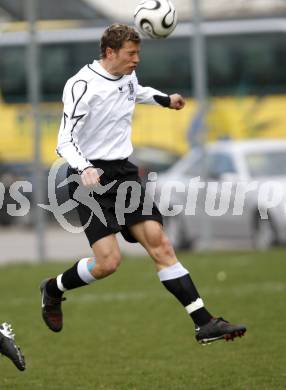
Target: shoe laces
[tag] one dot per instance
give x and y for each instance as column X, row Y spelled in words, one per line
column 220, row 319
column 7, row 331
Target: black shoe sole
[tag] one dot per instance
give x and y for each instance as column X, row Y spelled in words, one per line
column 12, row 352
column 226, row 337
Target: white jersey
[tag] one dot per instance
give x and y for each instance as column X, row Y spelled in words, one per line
column 98, row 109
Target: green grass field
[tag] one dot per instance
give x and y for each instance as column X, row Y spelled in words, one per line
column 127, row 332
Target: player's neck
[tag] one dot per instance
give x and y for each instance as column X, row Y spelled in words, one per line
column 109, row 67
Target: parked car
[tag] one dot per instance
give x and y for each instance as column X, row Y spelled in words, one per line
column 152, row 159
column 241, row 183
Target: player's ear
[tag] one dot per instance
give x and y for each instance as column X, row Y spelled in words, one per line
column 109, row 52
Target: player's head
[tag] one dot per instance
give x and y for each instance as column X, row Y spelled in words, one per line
column 120, row 46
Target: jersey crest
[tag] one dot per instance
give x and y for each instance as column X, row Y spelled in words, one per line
column 131, row 95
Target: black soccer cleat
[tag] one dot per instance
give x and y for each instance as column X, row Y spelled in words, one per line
column 217, row 329
column 51, row 309
column 9, row 348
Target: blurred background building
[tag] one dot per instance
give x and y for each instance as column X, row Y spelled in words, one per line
column 245, row 70
column 245, row 63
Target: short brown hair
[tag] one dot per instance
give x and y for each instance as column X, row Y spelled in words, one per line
column 115, row 36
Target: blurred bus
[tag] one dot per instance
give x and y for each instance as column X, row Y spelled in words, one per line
column 246, row 62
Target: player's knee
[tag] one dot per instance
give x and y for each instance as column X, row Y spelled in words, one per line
column 109, row 263
column 166, row 249
column 160, row 247
column 110, row 268
column 167, row 246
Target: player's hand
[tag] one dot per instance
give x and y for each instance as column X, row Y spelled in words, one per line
column 90, row 177
column 177, row 102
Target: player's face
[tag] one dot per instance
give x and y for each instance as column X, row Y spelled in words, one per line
column 126, row 59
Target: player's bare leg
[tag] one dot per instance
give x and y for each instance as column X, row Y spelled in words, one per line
column 177, row 280
column 105, row 261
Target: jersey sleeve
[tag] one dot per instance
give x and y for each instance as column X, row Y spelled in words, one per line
column 146, row 95
column 76, row 110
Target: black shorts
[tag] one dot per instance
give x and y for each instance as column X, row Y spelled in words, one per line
column 112, row 207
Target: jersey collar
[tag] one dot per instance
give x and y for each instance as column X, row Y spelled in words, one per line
column 97, row 68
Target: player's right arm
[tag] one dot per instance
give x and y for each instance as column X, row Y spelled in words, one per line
column 90, row 177
column 76, row 110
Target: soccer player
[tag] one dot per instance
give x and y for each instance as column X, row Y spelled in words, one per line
column 95, row 137
column 9, row 348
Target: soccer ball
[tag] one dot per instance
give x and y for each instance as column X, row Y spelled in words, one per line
column 155, row 19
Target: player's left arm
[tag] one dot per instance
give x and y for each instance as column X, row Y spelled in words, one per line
column 177, row 102
column 148, row 95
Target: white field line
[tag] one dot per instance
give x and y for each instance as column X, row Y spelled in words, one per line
column 239, row 290
column 247, row 289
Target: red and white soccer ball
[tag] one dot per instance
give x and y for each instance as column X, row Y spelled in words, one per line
column 155, row 18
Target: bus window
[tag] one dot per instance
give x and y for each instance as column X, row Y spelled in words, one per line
column 165, row 65
column 60, row 62
column 251, row 65
column 13, row 74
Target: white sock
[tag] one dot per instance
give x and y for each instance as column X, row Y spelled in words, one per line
column 172, row 272
column 84, row 270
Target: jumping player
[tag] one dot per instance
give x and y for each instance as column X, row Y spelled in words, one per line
column 95, row 137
